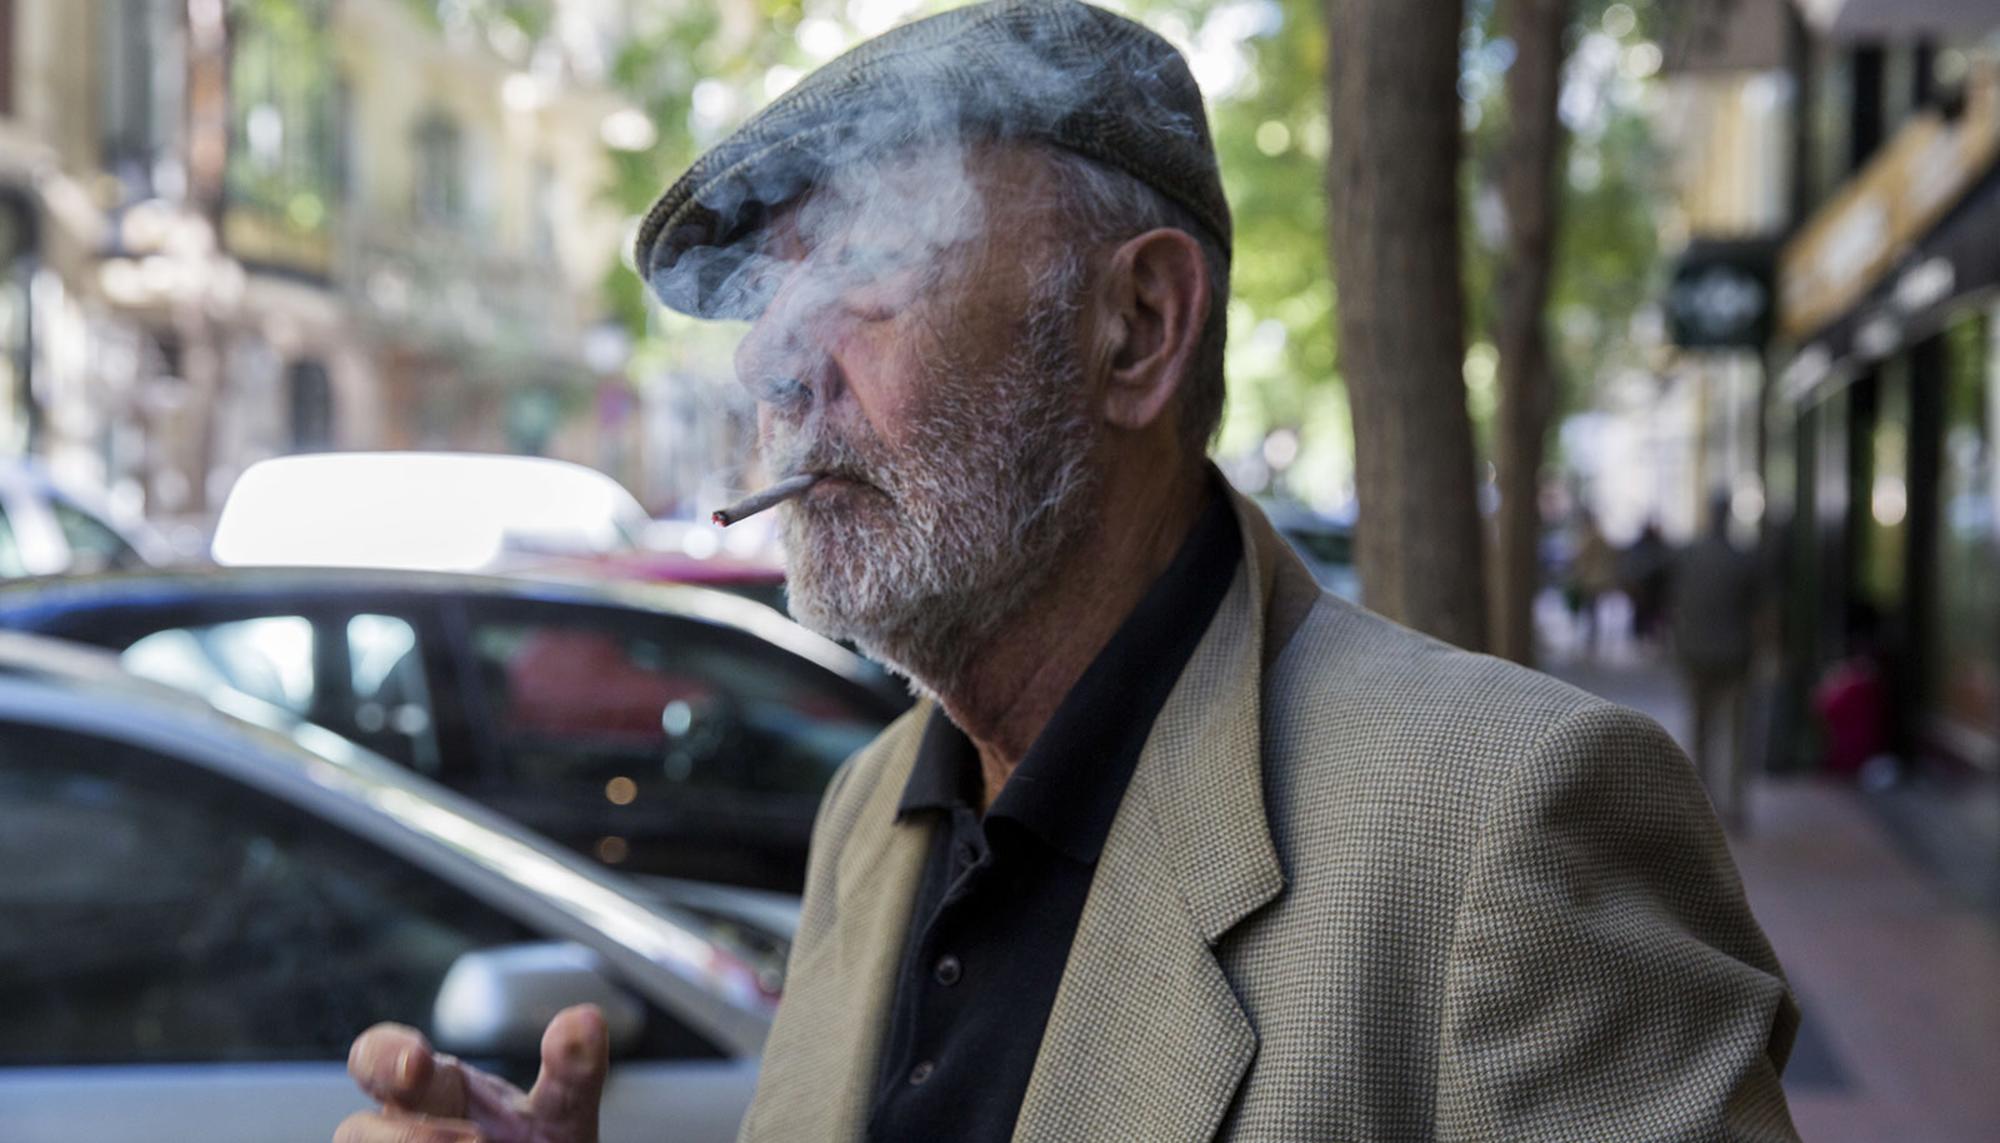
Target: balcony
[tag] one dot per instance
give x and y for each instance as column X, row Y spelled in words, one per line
column 447, row 289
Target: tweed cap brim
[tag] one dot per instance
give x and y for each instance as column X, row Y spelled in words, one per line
column 1051, row 71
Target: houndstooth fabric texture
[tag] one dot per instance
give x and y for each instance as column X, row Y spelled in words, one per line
column 1363, row 886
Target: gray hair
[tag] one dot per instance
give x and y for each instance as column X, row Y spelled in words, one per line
column 1112, row 206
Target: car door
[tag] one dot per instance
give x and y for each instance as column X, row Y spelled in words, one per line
column 658, row 744
column 185, row 957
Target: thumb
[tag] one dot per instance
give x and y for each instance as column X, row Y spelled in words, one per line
column 576, row 1057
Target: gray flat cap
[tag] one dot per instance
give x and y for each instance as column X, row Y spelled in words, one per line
column 1052, row 71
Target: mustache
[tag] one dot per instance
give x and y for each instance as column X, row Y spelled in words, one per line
column 824, row 454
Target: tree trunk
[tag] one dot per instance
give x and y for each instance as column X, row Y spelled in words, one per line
column 1392, row 185
column 1528, row 160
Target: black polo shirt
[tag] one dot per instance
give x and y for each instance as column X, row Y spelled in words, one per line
column 998, row 902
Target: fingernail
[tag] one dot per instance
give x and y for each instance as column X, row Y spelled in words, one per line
column 406, row 1068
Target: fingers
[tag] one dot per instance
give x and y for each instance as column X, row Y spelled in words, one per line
column 576, row 1057
column 390, row 1127
column 395, row 1065
column 429, row 1097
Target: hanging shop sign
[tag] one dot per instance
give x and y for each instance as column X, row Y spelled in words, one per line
column 1854, row 241
column 1720, row 296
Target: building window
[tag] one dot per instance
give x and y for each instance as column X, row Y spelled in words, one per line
column 1882, row 491
column 440, row 184
column 311, row 393
column 1965, row 640
column 6, row 57
column 138, row 87
column 284, row 146
column 543, row 224
column 19, row 254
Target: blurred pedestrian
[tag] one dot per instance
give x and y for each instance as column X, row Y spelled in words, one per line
column 1593, row 573
column 1852, row 704
column 1646, row 569
column 1713, row 607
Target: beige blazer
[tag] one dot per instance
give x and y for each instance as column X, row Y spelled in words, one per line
column 1363, row 886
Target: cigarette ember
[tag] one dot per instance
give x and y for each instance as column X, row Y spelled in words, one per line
column 769, row 498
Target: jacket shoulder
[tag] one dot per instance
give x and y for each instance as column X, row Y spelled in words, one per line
column 1377, row 680
column 1482, row 863
column 1382, row 745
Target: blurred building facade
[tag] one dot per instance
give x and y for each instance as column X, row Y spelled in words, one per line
column 1834, row 376
column 1883, row 406
column 1666, row 440
column 231, row 229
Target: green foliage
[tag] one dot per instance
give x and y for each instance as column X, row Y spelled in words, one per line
column 280, row 63
column 1612, row 181
column 1271, row 136
column 530, row 18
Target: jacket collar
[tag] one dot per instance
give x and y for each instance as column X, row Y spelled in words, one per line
column 1200, row 775
column 1147, row 1039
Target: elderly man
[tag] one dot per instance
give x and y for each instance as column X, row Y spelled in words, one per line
column 1175, row 847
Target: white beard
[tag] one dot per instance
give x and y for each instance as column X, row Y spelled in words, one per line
column 975, row 513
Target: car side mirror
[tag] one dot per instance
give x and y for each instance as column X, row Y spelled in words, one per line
column 496, row 1002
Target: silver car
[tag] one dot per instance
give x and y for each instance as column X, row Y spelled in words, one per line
column 201, row 911
column 51, row 528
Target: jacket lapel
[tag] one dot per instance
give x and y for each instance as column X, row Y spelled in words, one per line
column 1146, row 1039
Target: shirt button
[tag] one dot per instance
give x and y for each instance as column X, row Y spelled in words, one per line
column 921, row 1072
column 965, row 854
column 948, row 970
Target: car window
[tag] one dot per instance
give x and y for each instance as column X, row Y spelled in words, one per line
column 587, row 700
column 269, row 658
column 12, row 566
column 388, row 699
column 156, row 912
column 382, row 701
column 93, row 545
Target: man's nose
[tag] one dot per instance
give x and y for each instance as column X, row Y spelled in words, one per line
column 784, row 359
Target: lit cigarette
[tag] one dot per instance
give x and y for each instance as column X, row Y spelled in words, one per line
column 769, row 498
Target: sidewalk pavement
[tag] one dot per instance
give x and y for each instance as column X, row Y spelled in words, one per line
column 1897, row 977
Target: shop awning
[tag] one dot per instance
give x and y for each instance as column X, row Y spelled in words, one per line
column 1900, row 19
column 1957, row 259
column 1853, row 242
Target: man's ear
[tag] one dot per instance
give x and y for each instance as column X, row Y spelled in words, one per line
column 1155, row 301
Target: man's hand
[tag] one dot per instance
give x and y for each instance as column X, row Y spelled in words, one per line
column 429, row 1097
